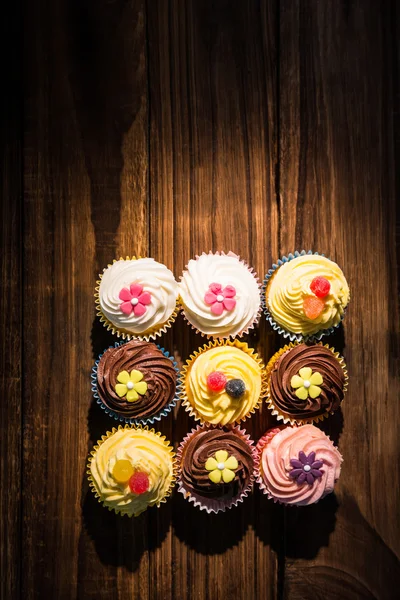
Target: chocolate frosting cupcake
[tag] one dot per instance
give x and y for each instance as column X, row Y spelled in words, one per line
column 155, row 370
column 204, row 445
column 319, row 359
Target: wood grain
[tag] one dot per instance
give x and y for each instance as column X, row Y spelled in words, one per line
column 168, row 128
column 11, row 380
column 209, row 70
column 338, row 197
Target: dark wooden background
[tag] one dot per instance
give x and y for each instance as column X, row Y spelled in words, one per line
column 166, row 129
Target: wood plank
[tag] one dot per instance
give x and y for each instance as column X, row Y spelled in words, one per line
column 85, row 204
column 338, row 197
column 10, row 305
column 212, row 75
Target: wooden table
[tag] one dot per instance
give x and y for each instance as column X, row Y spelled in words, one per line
column 166, row 129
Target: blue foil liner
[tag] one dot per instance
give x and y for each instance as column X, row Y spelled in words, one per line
column 293, row 337
column 129, row 420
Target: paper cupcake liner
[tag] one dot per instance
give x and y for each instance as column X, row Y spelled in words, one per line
column 276, row 411
column 234, row 343
column 151, row 334
column 215, row 506
column 262, row 442
column 244, row 331
column 275, row 326
column 108, row 434
column 132, row 420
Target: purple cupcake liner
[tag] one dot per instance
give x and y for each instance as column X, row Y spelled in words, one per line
column 130, row 420
column 293, row 337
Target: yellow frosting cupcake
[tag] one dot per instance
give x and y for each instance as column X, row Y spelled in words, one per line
column 223, row 383
column 131, row 469
column 307, row 294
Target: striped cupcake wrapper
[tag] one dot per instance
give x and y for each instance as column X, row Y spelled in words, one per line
column 149, row 421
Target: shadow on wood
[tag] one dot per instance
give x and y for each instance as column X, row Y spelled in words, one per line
column 209, row 534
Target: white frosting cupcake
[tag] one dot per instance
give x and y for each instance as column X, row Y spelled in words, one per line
column 137, row 297
column 220, row 295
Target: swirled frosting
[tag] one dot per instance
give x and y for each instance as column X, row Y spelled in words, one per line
column 219, row 408
column 319, row 358
column 155, row 279
column 147, row 452
column 158, row 372
column 204, row 444
column 226, row 270
column 275, row 465
column 290, row 284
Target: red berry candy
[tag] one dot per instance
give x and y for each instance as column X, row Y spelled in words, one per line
column 216, row 381
column 320, row 287
column 139, row 482
column 313, row 307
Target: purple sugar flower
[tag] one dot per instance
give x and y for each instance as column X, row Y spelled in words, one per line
column 306, row 468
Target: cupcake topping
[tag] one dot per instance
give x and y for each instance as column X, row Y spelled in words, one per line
column 235, row 388
column 217, row 465
column 137, row 297
column 159, row 374
column 285, row 466
column 320, row 286
column 122, row 471
column 220, row 294
column 220, row 298
column 307, row 383
column 130, row 385
column 305, row 468
column 216, row 381
column 313, row 307
column 307, row 294
column 221, row 466
column 134, row 300
column 139, row 483
column 126, row 453
column 301, row 369
column 243, row 381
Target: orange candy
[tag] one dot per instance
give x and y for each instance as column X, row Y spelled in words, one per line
column 122, row 471
column 313, row 307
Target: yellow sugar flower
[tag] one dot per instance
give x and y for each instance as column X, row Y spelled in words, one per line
column 130, row 385
column 307, row 383
column 222, row 466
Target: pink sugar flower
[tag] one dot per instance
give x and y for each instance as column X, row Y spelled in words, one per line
column 134, row 300
column 220, row 298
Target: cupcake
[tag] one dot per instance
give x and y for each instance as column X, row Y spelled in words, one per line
column 130, row 469
column 297, row 465
column 135, row 382
column 222, row 383
column 220, row 295
column 305, row 383
column 216, row 467
column 305, row 295
column 137, row 298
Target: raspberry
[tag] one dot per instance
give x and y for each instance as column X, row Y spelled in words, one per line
column 235, row 388
column 139, row 482
column 320, row 287
column 313, row 307
column 216, row 381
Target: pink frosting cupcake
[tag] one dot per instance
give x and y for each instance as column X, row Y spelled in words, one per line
column 297, row 465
